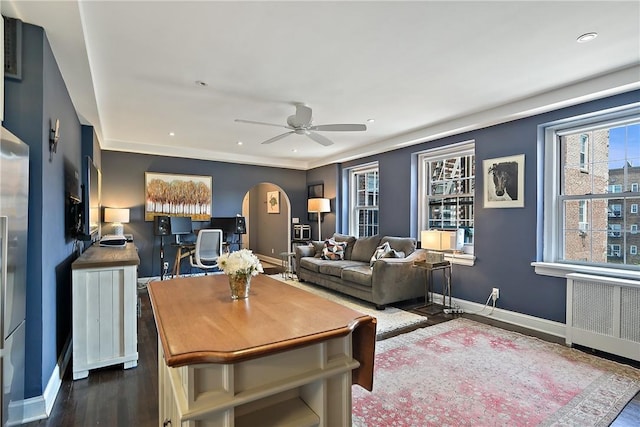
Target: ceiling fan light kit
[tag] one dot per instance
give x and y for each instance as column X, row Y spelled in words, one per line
column 301, row 123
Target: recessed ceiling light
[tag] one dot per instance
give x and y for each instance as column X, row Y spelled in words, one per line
column 295, row 150
column 586, row 37
column 172, row 134
column 371, row 120
column 201, row 83
column 239, row 142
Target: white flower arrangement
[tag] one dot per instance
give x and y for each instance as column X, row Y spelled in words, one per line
column 240, row 263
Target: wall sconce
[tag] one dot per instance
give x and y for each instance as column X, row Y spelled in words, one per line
column 117, row 217
column 54, row 136
column 319, row 206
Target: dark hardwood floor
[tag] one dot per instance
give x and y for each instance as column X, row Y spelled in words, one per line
column 113, row 396
column 116, row 397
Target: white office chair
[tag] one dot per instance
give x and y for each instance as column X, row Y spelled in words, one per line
column 208, row 249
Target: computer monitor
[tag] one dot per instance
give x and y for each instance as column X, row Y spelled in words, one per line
column 180, row 226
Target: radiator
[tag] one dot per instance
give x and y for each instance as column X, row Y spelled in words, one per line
column 603, row 313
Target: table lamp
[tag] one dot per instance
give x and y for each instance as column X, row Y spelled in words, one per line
column 319, row 206
column 117, row 217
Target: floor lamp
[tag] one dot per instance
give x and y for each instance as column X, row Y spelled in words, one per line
column 319, row 206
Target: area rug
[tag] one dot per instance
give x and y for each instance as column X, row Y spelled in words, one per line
column 391, row 321
column 463, row 373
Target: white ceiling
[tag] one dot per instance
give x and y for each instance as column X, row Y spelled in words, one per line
column 421, row 69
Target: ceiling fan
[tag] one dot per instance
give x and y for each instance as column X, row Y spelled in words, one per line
column 301, row 124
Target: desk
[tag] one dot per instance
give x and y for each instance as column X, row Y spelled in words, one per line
column 281, row 357
column 104, row 297
column 445, row 267
column 183, row 250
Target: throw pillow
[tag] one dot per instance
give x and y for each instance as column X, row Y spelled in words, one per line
column 333, row 250
column 319, row 246
column 364, row 248
column 380, row 252
column 394, row 254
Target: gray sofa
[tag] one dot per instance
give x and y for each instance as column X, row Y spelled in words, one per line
column 389, row 279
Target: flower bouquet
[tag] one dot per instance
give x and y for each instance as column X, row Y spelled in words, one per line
column 240, row 266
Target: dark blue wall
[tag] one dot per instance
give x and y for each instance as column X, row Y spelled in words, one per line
column 506, row 240
column 123, row 186
column 30, row 104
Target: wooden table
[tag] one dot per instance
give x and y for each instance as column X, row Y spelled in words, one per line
column 281, row 357
column 104, row 299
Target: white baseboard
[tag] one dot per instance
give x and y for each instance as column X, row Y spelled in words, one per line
column 524, row 320
column 39, row 407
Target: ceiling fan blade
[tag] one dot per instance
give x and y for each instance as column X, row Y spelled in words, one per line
column 319, row 138
column 339, row 127
column 262, row 123
column 303, row 115
column 277, row 138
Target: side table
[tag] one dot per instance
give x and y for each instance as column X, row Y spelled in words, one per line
column 445, row 267
column 286, row 261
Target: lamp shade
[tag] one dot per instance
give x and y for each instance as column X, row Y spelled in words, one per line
column 318, row 205
column 116, row 215
column 431, row 239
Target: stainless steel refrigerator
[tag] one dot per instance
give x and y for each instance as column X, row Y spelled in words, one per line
column 14, row 199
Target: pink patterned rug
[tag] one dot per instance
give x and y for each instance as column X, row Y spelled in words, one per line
column 464, row 373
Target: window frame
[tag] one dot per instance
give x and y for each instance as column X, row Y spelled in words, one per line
column 354, row 209
column 549, row 262
column 459, row 149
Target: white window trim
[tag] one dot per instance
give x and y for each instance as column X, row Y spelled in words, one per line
column 548, row 265
column 458, row 149
column 368, row 167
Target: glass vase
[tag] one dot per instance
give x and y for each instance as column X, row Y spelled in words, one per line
column 239, row 284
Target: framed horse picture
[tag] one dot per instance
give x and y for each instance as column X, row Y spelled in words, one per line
column 504, row 182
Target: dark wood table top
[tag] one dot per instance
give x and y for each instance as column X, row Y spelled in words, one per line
column 198, row 322
column 97, row 256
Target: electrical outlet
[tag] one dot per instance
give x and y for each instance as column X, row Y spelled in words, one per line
column 495, row 294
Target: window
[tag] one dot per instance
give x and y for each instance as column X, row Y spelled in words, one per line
column 363, row 196
column 614, row 188
column 633, row 250
column 613, row 251
column 615, row 230
column 584, row 152
column 592, row 164
column 447, row 187
column 615, row 210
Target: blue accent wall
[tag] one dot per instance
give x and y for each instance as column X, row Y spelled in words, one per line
column 123, row 186
column 506, row 240
column 30, row 105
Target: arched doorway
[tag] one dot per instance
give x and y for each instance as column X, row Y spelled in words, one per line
column 268, row 232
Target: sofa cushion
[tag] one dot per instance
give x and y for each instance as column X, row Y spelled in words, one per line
column 351, row 240
column 334, row 268
column 311, row 263
column 403, row 244
column 318, row 245
column 364, row 247
column 380, row 252
column 333, row 251
column 360, row 274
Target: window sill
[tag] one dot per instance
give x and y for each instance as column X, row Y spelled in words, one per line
column 556, row 269
column 460, row 259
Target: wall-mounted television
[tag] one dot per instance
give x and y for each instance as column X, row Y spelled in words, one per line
column 92, row 195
